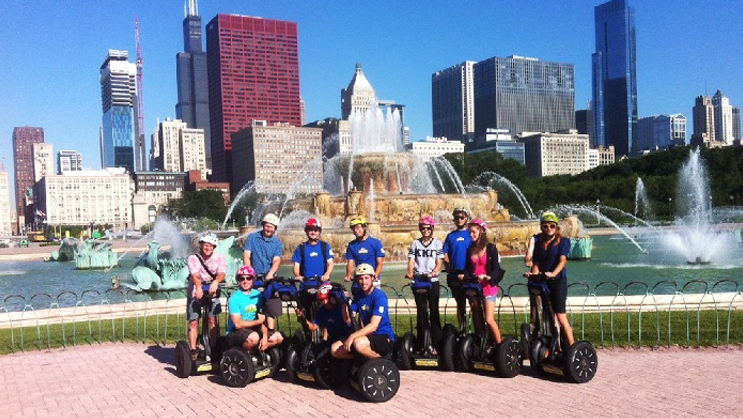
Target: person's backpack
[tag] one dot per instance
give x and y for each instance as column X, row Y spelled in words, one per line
column 323, row 248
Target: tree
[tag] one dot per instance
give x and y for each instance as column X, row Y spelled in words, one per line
column 202, row 203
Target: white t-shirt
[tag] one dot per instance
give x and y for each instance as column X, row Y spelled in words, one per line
column 425, row 256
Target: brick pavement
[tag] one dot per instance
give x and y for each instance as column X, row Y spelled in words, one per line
column 137, row 380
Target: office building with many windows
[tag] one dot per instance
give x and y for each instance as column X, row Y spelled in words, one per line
column 24, row 138
column 69, row 160
column 615, row 77
column 549, row 154
column 118, row 96
column 524, row 94
column 453, row 102
column 253, row 73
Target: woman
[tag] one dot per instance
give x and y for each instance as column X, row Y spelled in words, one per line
column 426, row 258
column 550, row 257
column 483, row 262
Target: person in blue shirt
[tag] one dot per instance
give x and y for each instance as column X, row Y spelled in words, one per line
column 314, row 257
column 262, row 251
column 550, row 257
column 246, row 327
column 375, row 337
column 364, row 249
column 332, row 316
column 455, row 259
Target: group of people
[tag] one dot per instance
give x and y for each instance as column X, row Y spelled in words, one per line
column 465, row 254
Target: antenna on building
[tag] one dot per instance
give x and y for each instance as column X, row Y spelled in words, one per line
column 140, row 95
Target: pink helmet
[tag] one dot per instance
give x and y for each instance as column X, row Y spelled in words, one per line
column 427, row 220
column 313, row 223
column 479, row 222
column 246, row 271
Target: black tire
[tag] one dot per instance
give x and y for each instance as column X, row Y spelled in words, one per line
column 508, row 359
column 536, row 353
column 581, row 362
column 291, row 362
column 236, row 368
column 379, row 380
column 404, row 351
column 183, row 363
column 446, row 354
column 449, row 329
column 274, row 358
column 329, row 372
column 299, row 337
column 465, row 353
column 525, row 340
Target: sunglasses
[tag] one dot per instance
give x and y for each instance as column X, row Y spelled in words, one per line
column 460, row 217
column 426, row 228
column 241, row 279
column 549, row 226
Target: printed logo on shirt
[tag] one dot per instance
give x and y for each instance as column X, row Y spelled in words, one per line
column 460, row 239
column 314, row 254
column 381, row 309
column 363, row 251
column 364, row 307
column 251, row 309
column 381, row 250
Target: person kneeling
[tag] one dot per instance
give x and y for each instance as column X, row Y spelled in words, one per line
column 246, row 326
column 332, row 316
column 376, row 335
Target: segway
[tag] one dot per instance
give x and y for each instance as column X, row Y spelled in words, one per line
column 477, row 351
column 309, row 359
column 546, row 352
column 239, row 366
column 307, row 301
column 412, row 352
column 208, row 357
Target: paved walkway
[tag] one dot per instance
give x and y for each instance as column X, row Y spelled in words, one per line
column 137, row 380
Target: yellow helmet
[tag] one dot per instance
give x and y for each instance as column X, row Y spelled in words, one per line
column 359, row 220
column 363, row 269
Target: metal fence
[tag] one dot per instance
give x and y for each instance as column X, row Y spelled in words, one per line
column 636, row 314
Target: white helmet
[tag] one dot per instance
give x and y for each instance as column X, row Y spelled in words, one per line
column 271, row 219
column 209, row 238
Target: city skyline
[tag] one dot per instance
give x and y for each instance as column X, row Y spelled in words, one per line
column 682, row 52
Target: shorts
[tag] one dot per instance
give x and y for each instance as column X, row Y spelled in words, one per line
column 558, row 294
column 193, row 308
column 273, row 307
column 237, row 337
column 493, row 298
column 380, row 344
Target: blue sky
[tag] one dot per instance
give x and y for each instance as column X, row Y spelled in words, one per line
column 52, row 51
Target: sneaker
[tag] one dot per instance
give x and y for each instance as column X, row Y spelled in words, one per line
column 194, row 355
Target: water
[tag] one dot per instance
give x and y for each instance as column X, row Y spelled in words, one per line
column 247, row 189
column 643, row 209
column 491, row 180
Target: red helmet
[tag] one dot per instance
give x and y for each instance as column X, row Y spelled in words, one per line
column 324, row 292
column 313, row 223
column 427, row 220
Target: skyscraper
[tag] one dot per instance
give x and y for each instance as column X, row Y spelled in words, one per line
column 453, row 102
column 723, row 118
column 193, row 87
column 118, row 94
column 69, row 160
column 253, row 71
column 703, row 115
column 615, row 77
column 524, row 95
column 359, row 96
column 23, row 156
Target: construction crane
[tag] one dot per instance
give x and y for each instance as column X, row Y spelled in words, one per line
column 139, row 147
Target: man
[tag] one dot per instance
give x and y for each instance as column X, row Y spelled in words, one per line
column 314, row 257
column 205, row 267
column 246, row 326
column 262, row 252
column 363, row 250
column 332, row 316
column 455, row 258
column 376, row 336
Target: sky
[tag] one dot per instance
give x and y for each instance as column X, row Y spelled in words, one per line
column 51, row 54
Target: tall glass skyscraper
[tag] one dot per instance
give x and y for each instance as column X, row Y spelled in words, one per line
column 193, row 86
column 615, row 78
column 523, row 95
column 453, row 102
column 118, row 94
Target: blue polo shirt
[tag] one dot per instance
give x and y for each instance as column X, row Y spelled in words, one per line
column 314, row 259
column 455, row 246
column 366, row 251
column 262, row 251
column 374, row 304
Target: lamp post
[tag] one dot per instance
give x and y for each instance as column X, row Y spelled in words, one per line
column 598, row 212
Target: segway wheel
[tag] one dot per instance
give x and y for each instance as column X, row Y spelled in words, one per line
column 329, row 372
column 183, row 363
column 538, row 353
column 404, row 351
column 379, row 380
column 449, row 329
column 466, row 353
column 525, row 340
column 274, row 358
column 508, row 359
column 446, row 354
column 236, row 368
column 581, row 362
column 292, row 363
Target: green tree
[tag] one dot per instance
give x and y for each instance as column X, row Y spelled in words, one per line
column 203, row 203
